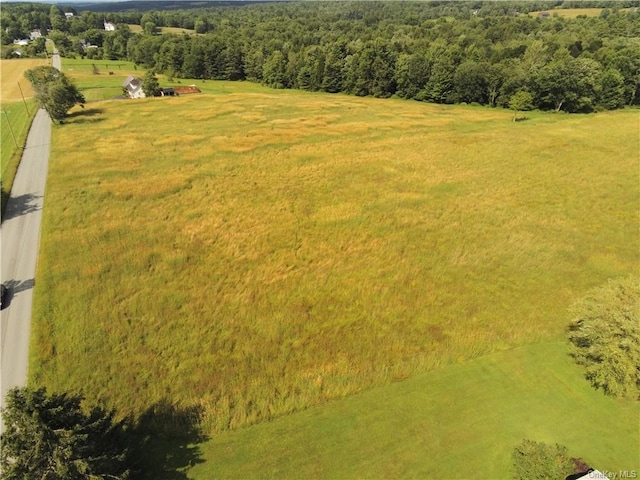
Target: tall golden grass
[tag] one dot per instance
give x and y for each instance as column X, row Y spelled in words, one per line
column 12, row 79
column 257, row 253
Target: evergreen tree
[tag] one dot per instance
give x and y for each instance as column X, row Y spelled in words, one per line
column 50, row 437
column 150, row 84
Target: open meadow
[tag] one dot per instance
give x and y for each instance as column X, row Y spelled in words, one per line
column 16, row 116
column 575, row 12
column 12, row 78
column 250, row 252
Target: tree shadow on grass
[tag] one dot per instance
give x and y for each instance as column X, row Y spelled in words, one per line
column 86, row 115
column 166, row 439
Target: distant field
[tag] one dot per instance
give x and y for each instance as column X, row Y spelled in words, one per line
column 461, row 421
column 254, row 252
column 102, row 85
column 138, row 29
column 571, row 12
column 177, row 30
column 12, row 78
column 16, row 117
column 574, row 12
column 105, row 86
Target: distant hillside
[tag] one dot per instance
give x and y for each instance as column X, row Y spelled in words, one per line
column 143, row 5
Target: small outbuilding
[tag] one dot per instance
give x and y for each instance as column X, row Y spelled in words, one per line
column 186, row 89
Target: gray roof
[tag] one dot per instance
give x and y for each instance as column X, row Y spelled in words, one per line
column 131, row 80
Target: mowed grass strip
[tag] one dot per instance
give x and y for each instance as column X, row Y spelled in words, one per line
column 256, row 253
column 461, row 421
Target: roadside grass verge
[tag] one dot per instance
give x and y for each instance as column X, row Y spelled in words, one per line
column 256, row 253
column 461, row 421
column 13, row 135
column 15, row 118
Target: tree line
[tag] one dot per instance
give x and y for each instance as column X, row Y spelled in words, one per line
column 442, row 52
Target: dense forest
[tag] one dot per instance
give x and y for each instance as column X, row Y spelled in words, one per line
column 445, row 52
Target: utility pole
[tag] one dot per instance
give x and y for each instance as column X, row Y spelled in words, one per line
column 24, row 101
column 10, row 129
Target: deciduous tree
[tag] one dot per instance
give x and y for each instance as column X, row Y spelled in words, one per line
column 605, row 336
column 539, row 461
column 54, row 91
column 520, row 101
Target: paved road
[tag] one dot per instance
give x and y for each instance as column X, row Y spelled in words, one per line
column 19, row 240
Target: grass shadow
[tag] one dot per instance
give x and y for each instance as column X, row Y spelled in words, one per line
column 166, row 442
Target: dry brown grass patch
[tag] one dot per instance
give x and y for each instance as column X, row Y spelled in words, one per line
column 12, row 78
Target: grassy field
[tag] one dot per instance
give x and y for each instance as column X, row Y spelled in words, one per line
column 571, row 12
column 107, row 83
column 16, row 116
column 253, row 252
column 103, row 85
column 461, row 421
column 177, row 30
column 575, row 12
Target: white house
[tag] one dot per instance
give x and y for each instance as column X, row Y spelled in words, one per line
column 68, row 15
column 592, row 474
column 109, row 27
column 35, row 34
column 133, row 86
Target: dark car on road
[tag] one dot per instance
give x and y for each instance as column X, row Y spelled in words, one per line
column 3, row 295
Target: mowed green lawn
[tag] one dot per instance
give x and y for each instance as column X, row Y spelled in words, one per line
column 461, row 421
column 253, row 252
column 102, row 82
